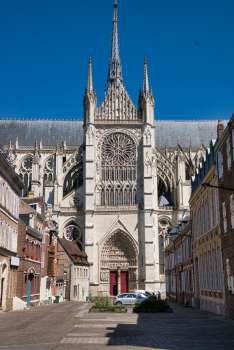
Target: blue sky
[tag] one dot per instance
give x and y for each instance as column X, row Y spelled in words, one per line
column 45, row 46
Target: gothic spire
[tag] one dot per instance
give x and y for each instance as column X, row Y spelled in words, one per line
column 115, row 62
column 145, row 79
column 90, row 77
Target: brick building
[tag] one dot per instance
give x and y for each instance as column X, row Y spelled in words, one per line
column 72, row 272
column 179, row 265
column 207, row 250
column 48, row 229
column 29, row 252
column 224, row 149
column 10, row 187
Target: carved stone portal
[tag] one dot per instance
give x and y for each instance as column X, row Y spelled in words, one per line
column 118, row 252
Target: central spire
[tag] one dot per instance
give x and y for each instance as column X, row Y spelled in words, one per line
column 115, row 68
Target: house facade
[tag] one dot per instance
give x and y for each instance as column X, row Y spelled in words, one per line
column 209, row 293
column 225, row 170
column 10, row 188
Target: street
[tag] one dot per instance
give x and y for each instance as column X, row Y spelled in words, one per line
column 68, row 326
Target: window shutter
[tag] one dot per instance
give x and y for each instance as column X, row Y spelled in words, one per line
column 220, row 164
column 228, row 154
column 216, row 208
column 224, row 218
column 211, row 213
column 1, row 191
column 232, row 210
column 11, row 238
column 42, row 260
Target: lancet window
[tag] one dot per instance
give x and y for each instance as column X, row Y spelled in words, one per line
column 118, row 170
column 26, row 175
column 48, row 170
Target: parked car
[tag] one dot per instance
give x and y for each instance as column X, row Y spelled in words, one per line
column 143, row 292
column 128, row 298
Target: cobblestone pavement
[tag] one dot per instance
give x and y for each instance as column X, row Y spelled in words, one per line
column 46, row 325
column 69, row 326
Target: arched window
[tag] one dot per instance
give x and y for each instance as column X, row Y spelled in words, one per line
column 118, row 170
column 187, row 173
column 72, row 232
column 48, row 172
column 26, row 175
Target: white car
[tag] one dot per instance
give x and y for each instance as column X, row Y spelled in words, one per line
column 143, row 292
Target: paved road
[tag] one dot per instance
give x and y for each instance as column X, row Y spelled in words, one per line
column 69, row 326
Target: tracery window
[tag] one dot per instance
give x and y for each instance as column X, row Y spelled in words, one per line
column 118, row 170
column 26, row 175
column 72, row 232
column 48, row 170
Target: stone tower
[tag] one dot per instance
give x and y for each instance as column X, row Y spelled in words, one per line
column 120, row 183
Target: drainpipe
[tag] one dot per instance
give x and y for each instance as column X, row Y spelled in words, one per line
column 231, row 146
column 192, row 256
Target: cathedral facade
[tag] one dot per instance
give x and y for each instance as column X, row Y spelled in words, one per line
column 118, row 182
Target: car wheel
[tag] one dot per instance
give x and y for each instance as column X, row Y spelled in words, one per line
column 118, row 303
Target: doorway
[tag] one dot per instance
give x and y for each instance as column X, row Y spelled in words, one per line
column 30, row 278
column 113, row 282
column 124, row 281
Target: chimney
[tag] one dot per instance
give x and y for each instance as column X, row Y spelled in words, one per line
column 30, row 194
column 220, row 129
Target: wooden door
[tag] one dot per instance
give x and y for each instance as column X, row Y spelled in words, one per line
column 124, row 281
column 113, row 282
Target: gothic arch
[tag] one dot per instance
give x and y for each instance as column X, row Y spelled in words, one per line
column 117, row 162
column 72, row 231
column 73, row 178
column 118, row 251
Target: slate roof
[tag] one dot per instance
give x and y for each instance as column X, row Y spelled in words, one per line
column 73, row 250
column 52, row 130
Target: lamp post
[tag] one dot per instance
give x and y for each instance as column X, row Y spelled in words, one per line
column 206, row 184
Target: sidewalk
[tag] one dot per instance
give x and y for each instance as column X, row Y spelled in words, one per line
column 184, row 329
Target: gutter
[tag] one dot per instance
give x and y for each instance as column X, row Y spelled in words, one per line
column 36, row 234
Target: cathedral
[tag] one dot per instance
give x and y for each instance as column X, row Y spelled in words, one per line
column 118, row 181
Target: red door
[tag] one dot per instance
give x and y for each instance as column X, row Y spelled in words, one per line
column 113, row 282
column 124, row 281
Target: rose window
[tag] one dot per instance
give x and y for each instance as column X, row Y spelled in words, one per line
column 118, row 149
column 118, row 173
column 73, row 233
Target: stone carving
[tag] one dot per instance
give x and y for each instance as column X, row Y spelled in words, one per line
column 74, row 159
column 117, row 106
column 118, row 252
column 118, row 171
column 147, row 135
column 90, row 134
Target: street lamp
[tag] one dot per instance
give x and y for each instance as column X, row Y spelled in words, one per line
column 206, row 184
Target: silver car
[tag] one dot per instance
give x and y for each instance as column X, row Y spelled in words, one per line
column 128, row 298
